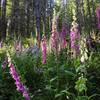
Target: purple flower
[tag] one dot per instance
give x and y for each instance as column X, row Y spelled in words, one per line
column 63, row 37
column 64, row 43
column 54, row 40
column 98, row 11
column 25, row 94
column 64, row 32
column 98, row 16
column 98, row 25
column 20, row 87
column 77, row 49
column 43, row 47
column 73, row 39
column 54, row 37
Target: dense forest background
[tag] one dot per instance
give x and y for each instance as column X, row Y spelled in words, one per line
column 30, row 17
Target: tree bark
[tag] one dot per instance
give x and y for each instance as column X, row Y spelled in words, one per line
column 38, row 20
column 3, row 20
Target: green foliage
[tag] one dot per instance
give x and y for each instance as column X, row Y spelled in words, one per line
column 58, row 79
column 61, row 78
column 81, row 84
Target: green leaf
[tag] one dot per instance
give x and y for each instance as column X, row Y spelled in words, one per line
column 82, row 98
column 89, row 98
column 81, row 85
column 58, row 95
column 53, row 79
column 69, row 73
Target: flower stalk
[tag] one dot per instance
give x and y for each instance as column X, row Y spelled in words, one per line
column 20, row 87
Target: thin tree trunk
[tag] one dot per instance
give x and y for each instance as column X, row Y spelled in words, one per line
column 89, row 12
column 51, row 15
column 83, row 13
column 3, row 19
column 38, row 20
column 79, row 15
column 93, row 14
column 44, row 16
column 17, row 18
column 28, row 17
column 12, row 25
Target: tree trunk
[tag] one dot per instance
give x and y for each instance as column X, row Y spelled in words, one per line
column 17, row 18
column 83, row 13
column 89, row 12
column 79, row 14
column 27, row 17
column 44, row 15
column 3, row 19
column 38, row 20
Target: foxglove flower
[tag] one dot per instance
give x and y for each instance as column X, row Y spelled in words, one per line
column 64, row 43
column 98, row 16
column 43, row 47
column 83, row 50
column 54, row 40
column 63, row 37
column 64, row 32
column 73, row 39
column 20, row 87
column 54, row 37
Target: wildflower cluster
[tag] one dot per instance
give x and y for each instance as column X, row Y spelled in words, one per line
column 20, row 87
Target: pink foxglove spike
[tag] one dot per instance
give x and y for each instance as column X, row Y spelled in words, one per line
column 20, row 87
column 64, row 32
column 64, row 43
column 73, row 39
column 63, row 37
column 54, row 37
column 43, row 47
column 98, row 16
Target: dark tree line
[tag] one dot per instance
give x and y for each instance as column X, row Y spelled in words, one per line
column 34, row 17
column 26, row 16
